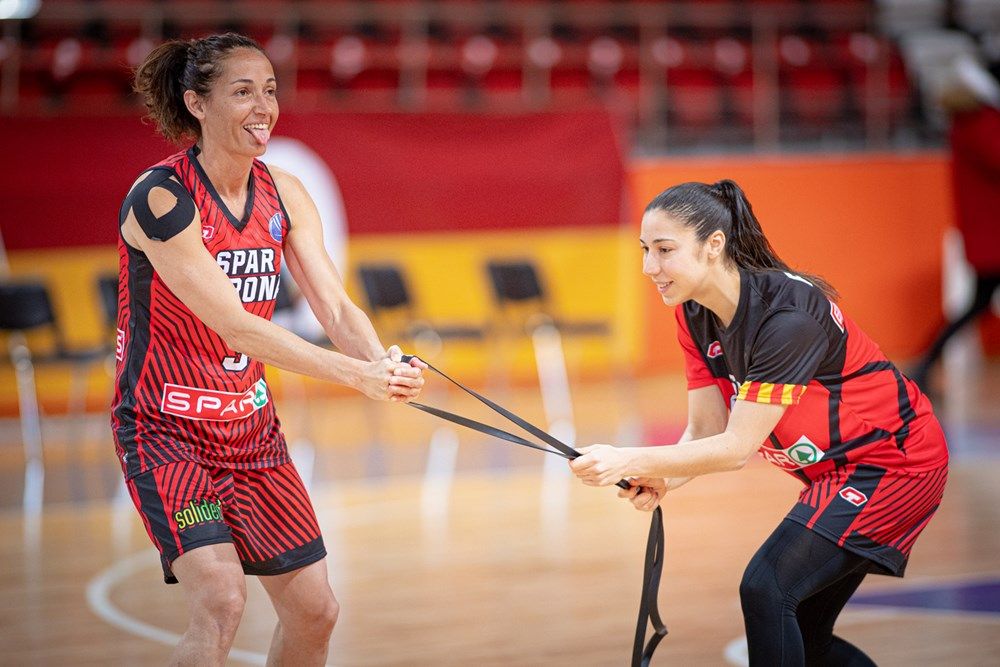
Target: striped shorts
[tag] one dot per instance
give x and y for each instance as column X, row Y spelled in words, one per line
column 266, row 514
column 871, row 511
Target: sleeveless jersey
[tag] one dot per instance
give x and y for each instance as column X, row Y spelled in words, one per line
column 788, row 344
column 180, row 392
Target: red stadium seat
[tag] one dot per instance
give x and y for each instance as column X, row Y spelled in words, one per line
column 353, row 54
column 892, row 85
column 813, row 85
column 740, row 95
column 694, row 97
column 814, row 95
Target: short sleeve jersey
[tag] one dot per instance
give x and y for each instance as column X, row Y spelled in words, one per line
column 788, row 344
column 180, row 392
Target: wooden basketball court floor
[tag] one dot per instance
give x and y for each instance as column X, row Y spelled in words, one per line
column 475, row 552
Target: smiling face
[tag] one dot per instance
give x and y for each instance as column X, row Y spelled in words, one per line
column 242, row 107
column 675, row 260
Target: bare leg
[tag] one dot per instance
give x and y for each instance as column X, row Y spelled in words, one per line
column 215, row 587
column 307, row 612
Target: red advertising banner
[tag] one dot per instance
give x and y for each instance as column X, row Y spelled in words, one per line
column 64, row 178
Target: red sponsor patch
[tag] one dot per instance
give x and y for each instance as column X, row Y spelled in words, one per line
column 714, row 350
column 853, row 496
column 207, row 232
column 211, row 405
column 777, row 457
column 838, row 317
column 119, row 345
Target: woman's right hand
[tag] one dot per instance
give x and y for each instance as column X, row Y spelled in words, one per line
column 645, row 493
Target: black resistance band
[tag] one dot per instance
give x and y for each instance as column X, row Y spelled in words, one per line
column 642, row 651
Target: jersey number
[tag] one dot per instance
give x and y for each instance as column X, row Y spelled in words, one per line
column 236, row 363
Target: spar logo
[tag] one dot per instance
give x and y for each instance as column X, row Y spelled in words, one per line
column 210, row 405
column 254, row 272
column 198, row 512
column 714, row 350
column 803, row 453
column 853, row 496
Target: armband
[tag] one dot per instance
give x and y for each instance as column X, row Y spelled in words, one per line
column 170, row 223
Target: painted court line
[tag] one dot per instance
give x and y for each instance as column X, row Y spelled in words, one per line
column 99, row 598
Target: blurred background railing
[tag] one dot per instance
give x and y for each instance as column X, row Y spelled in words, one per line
column 763, row 74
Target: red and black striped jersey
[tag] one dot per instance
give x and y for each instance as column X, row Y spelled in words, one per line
column 180, row 392
column 789, row 344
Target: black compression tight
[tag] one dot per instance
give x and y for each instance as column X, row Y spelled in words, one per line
column 792, row 592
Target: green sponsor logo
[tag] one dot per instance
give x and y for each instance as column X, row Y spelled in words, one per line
column 804, row 453
column 197, row 512
column 259, row 394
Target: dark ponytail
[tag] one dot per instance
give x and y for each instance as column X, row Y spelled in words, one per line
column 177, row 66
column 723, row 206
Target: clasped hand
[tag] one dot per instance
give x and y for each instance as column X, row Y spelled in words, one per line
column 604, row 465
column 393, row 379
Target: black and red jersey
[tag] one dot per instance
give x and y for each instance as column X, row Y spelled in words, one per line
column 788, row 344
column 858, row 433
column 180, row 392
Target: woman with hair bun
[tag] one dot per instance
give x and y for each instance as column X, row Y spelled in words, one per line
column 773, row 366
column 203, row 237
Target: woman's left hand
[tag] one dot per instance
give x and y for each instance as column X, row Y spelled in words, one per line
column 602, row 465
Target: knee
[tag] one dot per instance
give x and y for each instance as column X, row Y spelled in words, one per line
column 325, row 616
column 219, row 607
column 751, row 587
column 315, row 622
column 759, row 594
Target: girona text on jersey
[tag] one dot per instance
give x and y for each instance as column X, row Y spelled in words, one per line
column 252, row 273
column 180, row 393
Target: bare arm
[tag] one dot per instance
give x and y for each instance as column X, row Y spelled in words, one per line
column 347, row 326
column 748, row 426
column 707, row 416
column 187, row 268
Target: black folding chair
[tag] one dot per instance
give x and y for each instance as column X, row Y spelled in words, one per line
column 107, row 291
column 26, row 307
column 517, row 285
column 389, row 302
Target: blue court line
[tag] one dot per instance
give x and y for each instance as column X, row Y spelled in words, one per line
column 973, row 440
column 979, row 597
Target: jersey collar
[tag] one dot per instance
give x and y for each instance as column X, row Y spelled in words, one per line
column 238, row 224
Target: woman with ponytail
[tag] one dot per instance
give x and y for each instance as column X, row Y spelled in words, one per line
column 195, row 429
column 773, row 366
